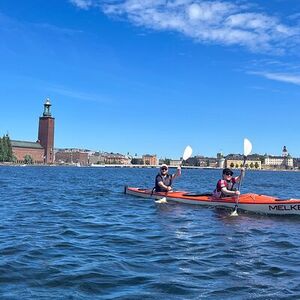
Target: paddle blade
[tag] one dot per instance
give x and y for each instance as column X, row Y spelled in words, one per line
column 247, row 147
column 187, row 153
column 234, row 213
column 162, row 200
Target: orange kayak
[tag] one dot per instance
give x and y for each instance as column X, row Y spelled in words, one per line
column 248, row 202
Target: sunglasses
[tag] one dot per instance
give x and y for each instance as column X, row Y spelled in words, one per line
column 228, row 174
column 164, row 169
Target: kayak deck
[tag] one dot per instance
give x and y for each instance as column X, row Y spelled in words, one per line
column 248, row 202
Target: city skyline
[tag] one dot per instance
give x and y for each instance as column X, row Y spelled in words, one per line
column 127, row 76
column 174, row 158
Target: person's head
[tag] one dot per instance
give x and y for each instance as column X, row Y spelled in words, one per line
column 164, row 169
column 227, row 173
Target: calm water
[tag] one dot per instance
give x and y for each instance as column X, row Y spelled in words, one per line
column 70, row 233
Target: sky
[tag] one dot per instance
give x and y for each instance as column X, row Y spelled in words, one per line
column 153, row 76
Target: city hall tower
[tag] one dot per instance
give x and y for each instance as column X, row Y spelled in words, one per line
column 46, row 133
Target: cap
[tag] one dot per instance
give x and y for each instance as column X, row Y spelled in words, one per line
column 164, row 166
column 227, row 171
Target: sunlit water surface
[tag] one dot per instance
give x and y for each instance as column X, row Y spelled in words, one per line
column 71, row 233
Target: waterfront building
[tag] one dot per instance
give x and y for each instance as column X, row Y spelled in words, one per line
column 285, row 161
column 136, row 161
column 297, row 163
column 175, row 162
column 96, row 158
column 72, row 157
column 237, row 160
column 211, row 162
column 23, row 150
column 46, row 133
column 271, row 161
column 116, row 159
column 204, row 162
column 41, row 151
column 221, row 160
column 149, row 159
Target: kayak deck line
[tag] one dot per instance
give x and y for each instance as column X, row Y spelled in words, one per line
column 248, row 202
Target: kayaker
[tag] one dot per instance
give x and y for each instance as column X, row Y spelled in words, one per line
column 163, row 180
column 225, row 186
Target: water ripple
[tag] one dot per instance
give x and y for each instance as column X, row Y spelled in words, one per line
column 70, row 233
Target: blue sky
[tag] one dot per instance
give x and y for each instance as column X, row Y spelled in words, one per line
column 153, row 76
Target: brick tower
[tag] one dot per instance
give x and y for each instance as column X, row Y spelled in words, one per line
column 46, row 133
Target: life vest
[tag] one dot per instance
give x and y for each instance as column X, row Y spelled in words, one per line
column 229, row 184
column 167, row 180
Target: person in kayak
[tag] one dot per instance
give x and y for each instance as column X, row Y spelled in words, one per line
column 163, row 180
column 225, row 186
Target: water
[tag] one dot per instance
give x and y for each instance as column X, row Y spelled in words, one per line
column 71, row 233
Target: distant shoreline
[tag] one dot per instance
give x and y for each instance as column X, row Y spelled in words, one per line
column 137, row 167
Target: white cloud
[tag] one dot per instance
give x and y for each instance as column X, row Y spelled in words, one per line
column 283, row 77
column 83, row 4
column 215, row 21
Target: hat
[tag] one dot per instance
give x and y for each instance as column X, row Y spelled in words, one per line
column 227, row 171
column 164, row 166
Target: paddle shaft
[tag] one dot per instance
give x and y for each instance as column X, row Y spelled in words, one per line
column 242, row 177
column 239, row 186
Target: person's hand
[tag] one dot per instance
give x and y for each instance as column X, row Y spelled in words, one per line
column 169, row 188
column 178, row 170
column 243, row 170
column 237, row 193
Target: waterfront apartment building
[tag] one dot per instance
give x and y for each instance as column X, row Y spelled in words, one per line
column 72, row 157
column 149, row 159
column 202, row 161
column 101, row 158
column 175, row 162
column 209, row 162
column 96, row 158
column 236, row 161
column 116, row 159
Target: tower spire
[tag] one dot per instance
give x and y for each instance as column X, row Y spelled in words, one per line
column 284, row 152
column 47, row 107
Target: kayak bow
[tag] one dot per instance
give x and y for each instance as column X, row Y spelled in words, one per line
column 247, row 202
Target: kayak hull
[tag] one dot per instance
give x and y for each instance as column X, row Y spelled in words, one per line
column 247, row 202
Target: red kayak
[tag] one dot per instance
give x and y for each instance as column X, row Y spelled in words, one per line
column 248, row 202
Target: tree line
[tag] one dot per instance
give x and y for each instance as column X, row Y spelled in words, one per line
column 6, row 154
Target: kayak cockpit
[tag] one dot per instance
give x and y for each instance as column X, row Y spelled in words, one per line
column 197, row 195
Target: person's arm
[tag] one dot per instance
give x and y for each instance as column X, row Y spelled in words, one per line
column 163, row 186
column 178, row 173
column 229, row 193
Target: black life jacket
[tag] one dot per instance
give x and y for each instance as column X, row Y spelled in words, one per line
column 167, row 180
